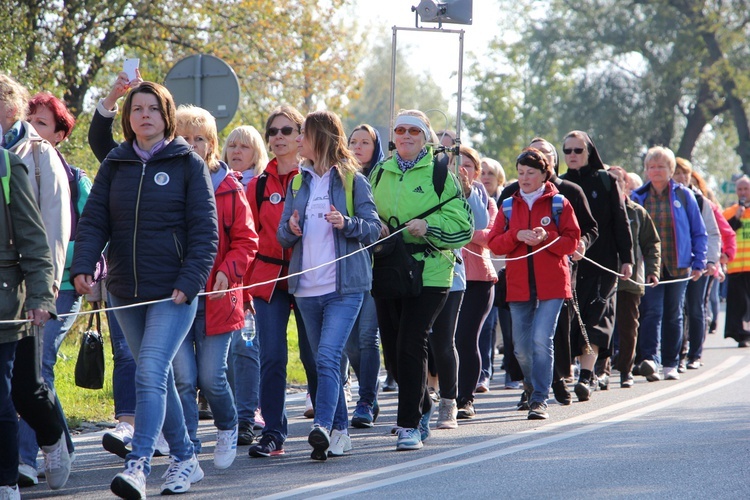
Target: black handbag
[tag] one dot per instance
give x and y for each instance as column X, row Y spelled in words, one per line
column 396, row 274
column 89, row 372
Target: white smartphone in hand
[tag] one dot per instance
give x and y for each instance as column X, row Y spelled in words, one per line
column 130, row 66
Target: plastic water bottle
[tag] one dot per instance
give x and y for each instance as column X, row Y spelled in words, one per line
column 248, row 331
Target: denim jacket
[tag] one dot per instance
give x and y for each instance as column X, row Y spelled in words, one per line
column 353, row 274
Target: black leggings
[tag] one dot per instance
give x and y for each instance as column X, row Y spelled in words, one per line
column 476, row 307
column 442, row 340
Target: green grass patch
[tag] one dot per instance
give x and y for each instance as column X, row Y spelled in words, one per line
column 87, row 405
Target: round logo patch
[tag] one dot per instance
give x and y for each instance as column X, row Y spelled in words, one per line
column 545, row 221
column 594, row 194
column 161, row 178
column 275, row 198
column 677, row 204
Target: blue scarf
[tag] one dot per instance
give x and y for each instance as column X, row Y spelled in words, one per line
column 218, row 177
column 405, row 165
column 13, row 135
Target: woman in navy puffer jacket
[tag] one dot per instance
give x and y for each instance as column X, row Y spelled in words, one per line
column 152, row 200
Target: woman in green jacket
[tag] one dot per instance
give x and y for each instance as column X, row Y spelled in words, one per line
column 404, row 188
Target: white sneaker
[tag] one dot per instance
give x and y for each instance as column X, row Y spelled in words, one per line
column 671, row 373
column 226, row 448
column 447, row 414
column 10, row 493
column 27, row 475
column 130, row 483
column 56, row 463
column 162, row 447
column 340, row 443
column 180, row 475
column 117, row 440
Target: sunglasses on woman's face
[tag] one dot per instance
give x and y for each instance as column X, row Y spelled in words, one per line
column 568, row 151
column 284, row 130
column 412, row 131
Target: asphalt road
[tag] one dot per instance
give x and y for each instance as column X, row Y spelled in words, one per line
column 670, row 439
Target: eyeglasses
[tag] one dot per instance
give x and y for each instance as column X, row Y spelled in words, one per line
column 568, row 151
column 284, row 130
column 412, row 131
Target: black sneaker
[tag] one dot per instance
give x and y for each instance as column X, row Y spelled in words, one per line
column 562, row 394
column 245, row 434
column 583, row 390
column 466, row 411
column 538, row 411
column 266, row 447
column 390, row 384
column 204, row 411
column 626, row 380
column 523, row 404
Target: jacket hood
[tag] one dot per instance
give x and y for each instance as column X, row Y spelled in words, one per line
column 377, row 152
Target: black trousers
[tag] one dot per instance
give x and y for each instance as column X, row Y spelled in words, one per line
column 738, row 306
column 404, row 327
column 443, row 357
column 476, row 307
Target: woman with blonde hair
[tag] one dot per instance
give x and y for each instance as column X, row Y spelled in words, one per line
column 328, row 214
column 244, row 151
column 201, row 360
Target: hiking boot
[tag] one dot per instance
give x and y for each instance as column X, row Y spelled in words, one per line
column 245, row 434
column 363, row 417
column 130, row 483
column 266, row 447
column 117, row 440
column 538, row 411
column 561, row 392
column 447, row 414
column 180, row 475
column 408, row 439
column 226, row 448
column 466, row 411
column 320, row 442
column 56, row 463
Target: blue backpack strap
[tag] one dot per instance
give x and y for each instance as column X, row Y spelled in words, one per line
column 507, row 210
column 557, row 208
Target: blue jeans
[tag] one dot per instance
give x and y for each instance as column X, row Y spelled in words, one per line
column 55, row 330
column 695, row 306
column 487, row 345
column 328, row 320
column 271, row 323
column 155, row 333
column 123, row 372
column 244, row 376
column 8, row 418
column 201, row 361
column 534, row 324
column 662, row 323
column 363, row 350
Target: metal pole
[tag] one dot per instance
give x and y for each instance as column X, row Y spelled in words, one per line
column 393, row 88
column 460, row 90
column 197, row 76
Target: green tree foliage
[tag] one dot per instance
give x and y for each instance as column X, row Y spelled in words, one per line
column 300, row 53
column 631, row 73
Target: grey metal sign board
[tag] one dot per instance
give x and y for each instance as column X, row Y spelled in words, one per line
column 208, row 82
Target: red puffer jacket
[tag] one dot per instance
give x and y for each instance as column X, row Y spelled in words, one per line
column 238, row 244
column 272, row 261
column 551, row 272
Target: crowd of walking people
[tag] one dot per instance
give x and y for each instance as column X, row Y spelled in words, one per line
column 424, row 249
